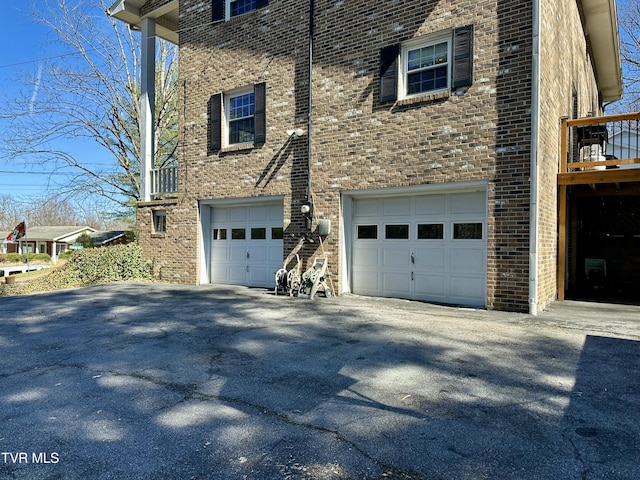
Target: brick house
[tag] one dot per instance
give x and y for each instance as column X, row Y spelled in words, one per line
column 423, row 135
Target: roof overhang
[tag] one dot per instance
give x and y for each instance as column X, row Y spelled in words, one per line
column 601, row 28
column 165, row 16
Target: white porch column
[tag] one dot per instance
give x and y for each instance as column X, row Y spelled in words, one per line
column 54, row 253
column 148, row 100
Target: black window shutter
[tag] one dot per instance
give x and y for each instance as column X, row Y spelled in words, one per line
column 215, row 122
column 261, row 3
column 462, row 75
column 260, row 112
column 389, row 73
column 217, row 9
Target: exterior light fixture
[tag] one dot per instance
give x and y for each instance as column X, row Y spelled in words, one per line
column 306, row 209
column 297, row 133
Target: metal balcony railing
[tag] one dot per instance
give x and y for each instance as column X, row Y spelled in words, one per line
column 164, row 181
column 600, row 149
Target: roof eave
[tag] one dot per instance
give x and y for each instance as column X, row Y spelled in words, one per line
column 128, row 11
column 601, row 28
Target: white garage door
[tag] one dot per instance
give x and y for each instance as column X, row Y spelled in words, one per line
column 246, row 244
column 426, row 247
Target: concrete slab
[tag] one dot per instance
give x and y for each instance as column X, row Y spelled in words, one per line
column 177, row 382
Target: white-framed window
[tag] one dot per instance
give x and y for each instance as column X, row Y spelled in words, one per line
column 422, row 66
column 237, row 118
column 426, row 66
column 239, row 108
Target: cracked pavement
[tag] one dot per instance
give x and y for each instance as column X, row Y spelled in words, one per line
column 156, row 381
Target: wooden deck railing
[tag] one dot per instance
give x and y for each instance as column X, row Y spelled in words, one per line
column 600, row 150
column 594, row 150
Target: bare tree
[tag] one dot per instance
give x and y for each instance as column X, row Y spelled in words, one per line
column 629, row 18
column 51, row 211
column 90, row 90
column 56, row 210
column 11, row 213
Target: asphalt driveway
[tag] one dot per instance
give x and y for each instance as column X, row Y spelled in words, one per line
column 149, row 381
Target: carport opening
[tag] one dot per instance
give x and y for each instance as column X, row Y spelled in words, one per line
column 604, row 246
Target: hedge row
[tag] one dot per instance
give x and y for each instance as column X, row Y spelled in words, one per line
column 89, row 267
column 20, row 258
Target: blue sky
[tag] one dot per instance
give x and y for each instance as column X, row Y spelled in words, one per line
column 24, row 44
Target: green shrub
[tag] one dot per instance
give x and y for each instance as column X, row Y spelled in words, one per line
column 18, row 258
column 13, row 257
column 89, row 267
column 36, row 257
column 86, row 241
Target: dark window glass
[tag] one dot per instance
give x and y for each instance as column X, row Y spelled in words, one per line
column 367, row 232
column 159, row 222
column 241, row 118
column 238, row 234
column 219, row 233
column 430, row 231
column 277, row 233
column 241, row 131
column 239, row 7
column 427, row 68
column 427, row 81
column 467, row 231
column 396, row 232
column 258, row 233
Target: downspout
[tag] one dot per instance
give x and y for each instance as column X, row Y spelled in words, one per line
column 535, row 134
column 310, row 106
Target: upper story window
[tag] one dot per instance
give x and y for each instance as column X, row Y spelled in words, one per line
column 426, row 67
column 226, row 9
column 429, row 64
column 240, row 111
column 238, row 7
column 237, row 119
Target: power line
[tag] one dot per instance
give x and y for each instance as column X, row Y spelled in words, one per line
column 40, row 60
column 13, row 172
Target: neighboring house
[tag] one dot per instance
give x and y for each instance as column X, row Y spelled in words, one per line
column 53, row 240
column 625, row 143
column 109, row 238
column 417, row 143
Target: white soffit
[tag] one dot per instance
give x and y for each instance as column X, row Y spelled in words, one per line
column 166, row 17
column 601, row 25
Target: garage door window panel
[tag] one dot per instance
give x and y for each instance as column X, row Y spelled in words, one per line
column 238, row 234
column 367, row 232
column 219, row 233
column 396, row 232
column 430, row 231
column 277, row 233
column 259, row 233
column 467, row 231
